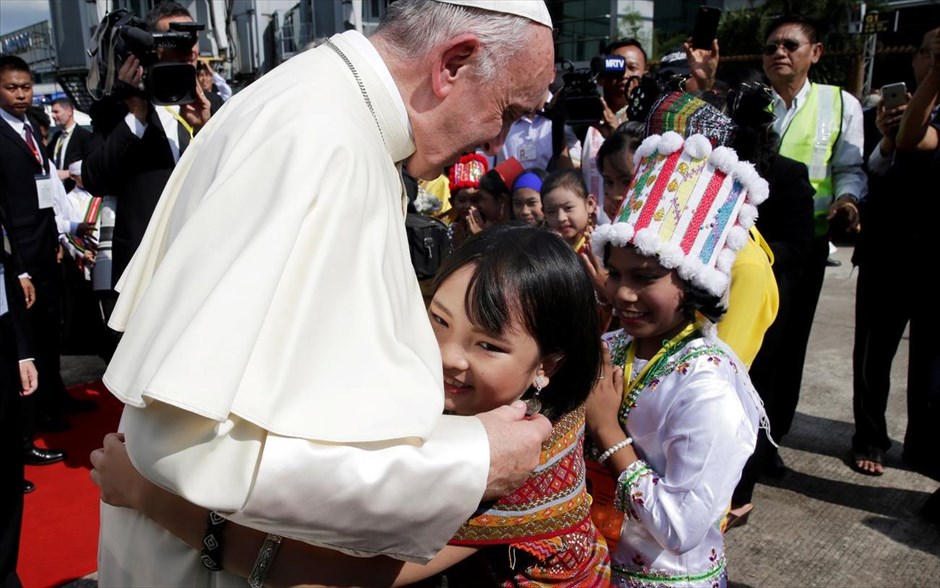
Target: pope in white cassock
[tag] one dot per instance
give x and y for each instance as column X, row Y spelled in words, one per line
column 277, row 364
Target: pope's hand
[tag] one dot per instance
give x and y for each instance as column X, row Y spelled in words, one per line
column 112, row 471
column 515, row 446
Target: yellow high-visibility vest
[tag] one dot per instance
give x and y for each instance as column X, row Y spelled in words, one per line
column 811, row 139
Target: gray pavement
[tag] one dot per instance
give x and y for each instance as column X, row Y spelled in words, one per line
column 822, row 524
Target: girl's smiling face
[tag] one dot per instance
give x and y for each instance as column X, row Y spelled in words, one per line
column 482, row 370
column 568, row 213
column 527, row 206
column 646, row 297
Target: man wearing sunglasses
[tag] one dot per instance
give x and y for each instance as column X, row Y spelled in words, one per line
column 820, row 126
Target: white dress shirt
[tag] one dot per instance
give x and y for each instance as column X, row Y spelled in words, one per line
column 848, row 175
column 530, row 141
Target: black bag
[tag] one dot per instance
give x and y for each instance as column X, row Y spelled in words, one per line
column 428, row 243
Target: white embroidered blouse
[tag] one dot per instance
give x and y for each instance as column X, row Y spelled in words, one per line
column 694, row 425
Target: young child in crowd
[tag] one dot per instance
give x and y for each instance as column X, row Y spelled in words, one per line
column 527, row 198
column 513, row 312
column 569, row 208
column 679, row 417
column 615, row 162
column 494, row 199
column 464, row 218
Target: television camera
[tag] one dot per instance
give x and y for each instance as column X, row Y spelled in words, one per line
column 581, row 101
column 120, row 35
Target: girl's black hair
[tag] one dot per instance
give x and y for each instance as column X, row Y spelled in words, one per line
column 695, row 299
column 492, row 182
column 705, row 302
column 628, row 135
column 565, row 178
column 532, row 275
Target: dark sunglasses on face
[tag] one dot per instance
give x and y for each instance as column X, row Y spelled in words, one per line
column 788, row 44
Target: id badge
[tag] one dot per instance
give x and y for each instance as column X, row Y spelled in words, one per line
column 45, row 190
column 527, row 152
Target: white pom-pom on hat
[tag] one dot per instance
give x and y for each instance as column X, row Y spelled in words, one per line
column 725, row 260
column 698, row 147
column 647, row 147
column 621, row 234
column 758, row 192
column 737, row 237
column 724, row 159
column 599, row 238
column 647, row 241
column 670, row 143
column 716, row 282
column 747, row 216
column 670, row 255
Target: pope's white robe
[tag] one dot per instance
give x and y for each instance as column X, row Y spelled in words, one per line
column 277, row 362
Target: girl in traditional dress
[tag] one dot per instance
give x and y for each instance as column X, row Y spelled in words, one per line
column 569, row 208
column 513, row 312
column 678, row 418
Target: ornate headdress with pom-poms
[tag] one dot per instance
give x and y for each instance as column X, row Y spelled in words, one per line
column 690, row 205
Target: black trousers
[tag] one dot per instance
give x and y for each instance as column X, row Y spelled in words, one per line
column 45, row 318
column 766, row 374
column 777, row 370
column 792, row 354
column 882, row 312
column 922, row 439
column 11, row 456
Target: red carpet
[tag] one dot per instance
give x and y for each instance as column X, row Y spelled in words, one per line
column 60, row 521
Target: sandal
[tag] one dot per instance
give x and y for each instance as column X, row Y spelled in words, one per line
column 737, row 517
column 873, row 454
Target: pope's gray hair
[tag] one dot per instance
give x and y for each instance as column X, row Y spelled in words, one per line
column 414, row 27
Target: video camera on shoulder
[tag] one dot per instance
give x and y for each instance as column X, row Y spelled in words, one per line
column 120, row 35
column 582, row 96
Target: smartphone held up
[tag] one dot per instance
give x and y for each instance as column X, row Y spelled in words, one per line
column 894, row 95
column 706, row 27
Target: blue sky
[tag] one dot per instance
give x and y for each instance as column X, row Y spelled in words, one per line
column 16, row 14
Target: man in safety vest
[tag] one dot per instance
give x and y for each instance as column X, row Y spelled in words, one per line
column 821, row 126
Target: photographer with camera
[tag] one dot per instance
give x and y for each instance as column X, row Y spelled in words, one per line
column 615, row 83
column 146, row 119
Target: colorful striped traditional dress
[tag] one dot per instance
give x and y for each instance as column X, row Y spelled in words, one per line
column 542, row 534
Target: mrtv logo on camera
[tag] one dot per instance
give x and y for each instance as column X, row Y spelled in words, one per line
column 582, row 97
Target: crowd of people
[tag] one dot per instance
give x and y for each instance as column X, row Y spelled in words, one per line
column 584, row 394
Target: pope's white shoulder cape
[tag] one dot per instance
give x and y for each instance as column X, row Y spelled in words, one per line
column 274, row 281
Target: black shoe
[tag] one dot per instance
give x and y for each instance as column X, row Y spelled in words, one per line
column 53, row 424
column 35, row 456
column 77, row 405
column 28, row 486
column 774, row 467
column 832, row 262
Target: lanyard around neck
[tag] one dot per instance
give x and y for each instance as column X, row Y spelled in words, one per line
column 182, row 121
column 631, row 386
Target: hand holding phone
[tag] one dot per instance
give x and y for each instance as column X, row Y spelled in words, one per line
column 706, row 27
column 894, row 95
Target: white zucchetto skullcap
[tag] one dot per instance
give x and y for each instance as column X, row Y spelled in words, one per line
column 534, row 10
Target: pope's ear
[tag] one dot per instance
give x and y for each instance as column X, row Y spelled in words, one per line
column 454, row 59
